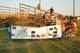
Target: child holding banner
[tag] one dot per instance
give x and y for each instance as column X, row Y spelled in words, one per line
column 8, row 31
column 63, row 27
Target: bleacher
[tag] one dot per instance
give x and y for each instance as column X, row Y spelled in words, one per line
column 23, row 11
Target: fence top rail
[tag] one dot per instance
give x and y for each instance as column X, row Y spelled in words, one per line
column 31, row 7
column 8, row 7
column 26, row 5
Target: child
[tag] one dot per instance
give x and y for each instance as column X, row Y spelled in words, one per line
column 8, row 31
column 63, row 30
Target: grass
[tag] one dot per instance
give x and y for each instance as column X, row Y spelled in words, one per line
column 70, row 45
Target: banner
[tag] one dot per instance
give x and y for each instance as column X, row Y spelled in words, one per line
column 22, row 32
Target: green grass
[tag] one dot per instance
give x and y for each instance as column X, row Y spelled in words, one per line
column 70, row 45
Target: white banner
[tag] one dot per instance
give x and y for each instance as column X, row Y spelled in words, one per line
column 21, row 32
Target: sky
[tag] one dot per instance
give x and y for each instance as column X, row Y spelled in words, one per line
column 64, row 7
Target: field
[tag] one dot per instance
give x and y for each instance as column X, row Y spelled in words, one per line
column 68, row 45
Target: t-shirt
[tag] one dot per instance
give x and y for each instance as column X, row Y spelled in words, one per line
column 8, row 29
column 63, row 28
column 49, row 16
column 62, row 22
column 58, row 22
